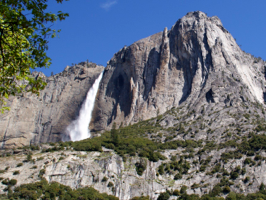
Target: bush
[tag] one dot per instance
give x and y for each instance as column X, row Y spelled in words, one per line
column 19, row 164
column 248, row 161
column 183, row 189
column 141, row 198
column 247, row 179
column 104, row 179
column 29, row 157
column 110, row 184
column 216, row 190
column 234, row 175
column 164, row 196
column 41, row 173
column 40, row 158
column 16, row 172
column 12, row 182
column 5, row 181
column 176, row 192
column 226, row 189
column 141, row 166
column 178, row 176
column 61, row 158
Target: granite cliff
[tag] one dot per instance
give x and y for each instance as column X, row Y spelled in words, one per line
column 196, row 63
column 44, row 118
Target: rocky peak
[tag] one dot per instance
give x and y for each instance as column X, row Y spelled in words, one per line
column 195, row 63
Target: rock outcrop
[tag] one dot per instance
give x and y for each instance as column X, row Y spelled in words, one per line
column 196, row 63
column 98, row 169
column 44, row 118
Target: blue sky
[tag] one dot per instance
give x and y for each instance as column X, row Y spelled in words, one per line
column 96, row 29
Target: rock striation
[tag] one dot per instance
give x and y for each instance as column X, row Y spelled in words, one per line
column 196, row 63
column 44, row 118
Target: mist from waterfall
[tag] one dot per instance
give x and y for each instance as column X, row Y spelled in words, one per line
column 79, row 129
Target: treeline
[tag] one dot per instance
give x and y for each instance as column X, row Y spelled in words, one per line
column 44, row 190
column 214, row 194
column 131, row 140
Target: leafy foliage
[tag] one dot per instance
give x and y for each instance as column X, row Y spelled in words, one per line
column 56, row 190
column 141, row 166
column 25, row 26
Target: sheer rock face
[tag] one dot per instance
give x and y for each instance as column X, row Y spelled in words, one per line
column 186, row 65
column 44, row 118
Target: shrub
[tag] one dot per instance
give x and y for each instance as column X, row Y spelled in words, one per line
column 104, row 179
column 226, row 189
column 34, row 167
column 248, row 161
column 61, row 158
column 234, row 175
column 41, row 173
column 5, row 181
column 40, row 158
column 164, row 196
column 19, row 164
column 110, row 184
column 195, row 185
column 16, row 172
column 161, row 169
column 2, row 171
column 178, row 176
column 12, row 182
column 141, row 198
column 176, row 192
column 247, row 179
column 183, row 189
column 258, row 157
column 141, row 166
column 216, row 190
column 29, row 157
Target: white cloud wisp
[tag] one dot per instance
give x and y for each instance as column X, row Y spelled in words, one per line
column 107, row 5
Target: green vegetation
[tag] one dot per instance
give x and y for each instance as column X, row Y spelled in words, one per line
column 41, row 173
column 54, row 190
column 164, row 196
column 104, row 179
column 8, row 182
column 182, row 166
column 110, row 184
column 16, row 172
column 141, row 166
column 141, row 198
column 19, row 164
column 214, row 194
column 132, row 140
column 25, row 27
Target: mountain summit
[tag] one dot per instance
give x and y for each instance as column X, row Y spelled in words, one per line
column 196, row 64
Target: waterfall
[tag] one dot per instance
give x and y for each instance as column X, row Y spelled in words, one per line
column 79, row 128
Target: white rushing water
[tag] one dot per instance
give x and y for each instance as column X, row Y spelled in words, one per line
column 79, row 129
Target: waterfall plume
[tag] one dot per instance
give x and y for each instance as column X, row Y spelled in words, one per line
column 79, row 128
